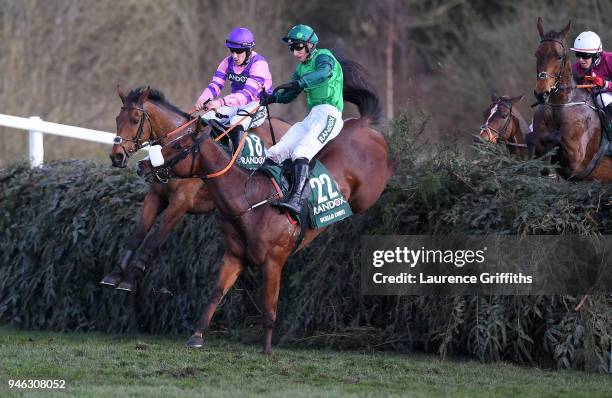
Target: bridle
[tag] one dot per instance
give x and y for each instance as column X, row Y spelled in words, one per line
column 164, row 172
column 144, row 116
column 544, row 75
column 500, row 134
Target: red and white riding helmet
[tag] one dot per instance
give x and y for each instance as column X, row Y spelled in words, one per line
column 588, row 42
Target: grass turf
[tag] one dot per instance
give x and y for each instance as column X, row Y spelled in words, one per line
column 96, row 365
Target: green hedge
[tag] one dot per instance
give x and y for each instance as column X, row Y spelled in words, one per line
column 63, row 227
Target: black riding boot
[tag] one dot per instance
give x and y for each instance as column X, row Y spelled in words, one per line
column 235, row 135
column 300, row 176
column 608, row 118
column 216, row 126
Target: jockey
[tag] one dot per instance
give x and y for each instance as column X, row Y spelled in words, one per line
column 249, row 75
column 594, row 66
column 319, row 74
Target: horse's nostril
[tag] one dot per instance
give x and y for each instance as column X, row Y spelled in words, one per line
column 118, row 160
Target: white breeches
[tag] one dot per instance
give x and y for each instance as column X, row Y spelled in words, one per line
column 234, row 115
column 604, row 99
column 306, row 138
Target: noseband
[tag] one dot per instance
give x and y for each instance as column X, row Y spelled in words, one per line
column 500, row 134
column 544, row 75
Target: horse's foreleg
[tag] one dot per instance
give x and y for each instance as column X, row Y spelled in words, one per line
column 151, row 207
column 271, row 289
column 156, row 236
column 231, row 268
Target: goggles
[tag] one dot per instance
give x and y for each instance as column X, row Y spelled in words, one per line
column 584, row 55
column 297, row 47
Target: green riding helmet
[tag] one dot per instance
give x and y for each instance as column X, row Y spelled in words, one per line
column 301, row 33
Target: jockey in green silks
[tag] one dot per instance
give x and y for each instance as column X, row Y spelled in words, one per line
column 319, row 74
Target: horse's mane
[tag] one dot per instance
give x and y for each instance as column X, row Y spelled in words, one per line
column 552, row 35
column 155, row 96
column 357, row 90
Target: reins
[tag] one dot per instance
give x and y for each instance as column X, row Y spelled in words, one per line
column 500, row 134
column 604, row 143
column 185, row 152
column 118, row 140
column 544, row 75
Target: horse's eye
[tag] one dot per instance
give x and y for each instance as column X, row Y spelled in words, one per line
column 560, row 57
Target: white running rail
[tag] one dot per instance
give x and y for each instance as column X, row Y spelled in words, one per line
column 37, row 128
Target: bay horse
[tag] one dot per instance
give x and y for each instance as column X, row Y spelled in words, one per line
column 503, row 123
column 146, row 117
column 566, row 117
column 263, row 236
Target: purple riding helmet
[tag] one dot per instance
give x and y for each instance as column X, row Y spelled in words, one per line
column 240, row 38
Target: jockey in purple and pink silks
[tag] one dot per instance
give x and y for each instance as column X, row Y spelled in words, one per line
column 248, row 73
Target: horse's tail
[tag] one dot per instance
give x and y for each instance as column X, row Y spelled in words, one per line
column 357, row 90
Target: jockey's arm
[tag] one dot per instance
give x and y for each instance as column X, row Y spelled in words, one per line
column 324, row 67
column 216, row 84
column 258, row 79
column 285, row 96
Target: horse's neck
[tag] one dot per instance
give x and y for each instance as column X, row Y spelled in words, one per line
column 163, row 120
column 567, row 89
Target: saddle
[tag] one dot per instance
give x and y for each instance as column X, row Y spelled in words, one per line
column 230, row 141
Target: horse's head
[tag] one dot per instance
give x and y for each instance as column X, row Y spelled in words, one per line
column 552, row 61
column 134, row 126
column 497, row 125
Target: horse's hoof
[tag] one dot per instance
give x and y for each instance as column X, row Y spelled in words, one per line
column 195, row 342
column 266, row 351
column 110, row 280
column 125, row 285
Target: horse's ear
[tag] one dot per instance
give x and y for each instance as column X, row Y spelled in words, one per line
column 566, row 30
column 121, row 94
column 541, row 27
column 494, row 97
column 518, row 99
column 144, row 96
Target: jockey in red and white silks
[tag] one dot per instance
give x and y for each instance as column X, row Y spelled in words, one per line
column 594, row 66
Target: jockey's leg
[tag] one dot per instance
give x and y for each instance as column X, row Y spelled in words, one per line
column 606, row 99
column 245, row 122
column 222, row 115
column 300, row 177
column 283, row 149
column 324, row 123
